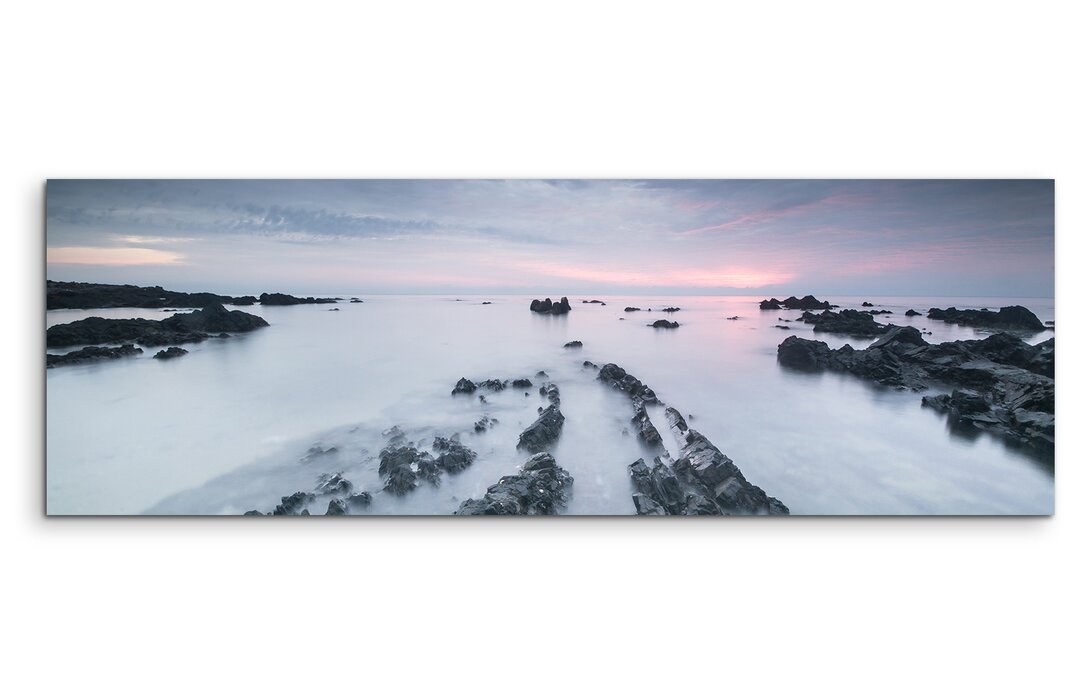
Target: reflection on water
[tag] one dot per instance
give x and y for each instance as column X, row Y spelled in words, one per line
column 222, row 429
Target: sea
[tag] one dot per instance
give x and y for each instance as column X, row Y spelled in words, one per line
column 238, row 423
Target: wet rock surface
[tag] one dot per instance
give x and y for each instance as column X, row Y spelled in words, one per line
column 1013, row 380
column 848, row 322
column 545, row 431
column 646, row 431
column 1010, row 318
column 177, row 329
column 170, row 353
column 284, row 299
column 615, row 376
column 701, row 481
column 92, row 354
column 541, row 487
column 546, row 306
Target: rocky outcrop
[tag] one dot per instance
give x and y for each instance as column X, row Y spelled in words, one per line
column 463, row 386
column 912, row 313
column 671, row 309
column 521, row 383
column 643, row 426
column 594, row 302
column 664, row 324
column 631, row 309
column 177, row 329
column 770, row 304
column 847, row 322
column 333, row 484
column 1012, row 318
column 453, row 456
column 615, row 376
column 283, row 299
column 294, row 504
column 337, row 507
column 1013, row 380
column 484, row 423
column 91, row 354
column 545, row 431
column 701, row 481
column 541, row 487
column 77, row 295
column 573, row 344
column 170, row 353
column 545, row 306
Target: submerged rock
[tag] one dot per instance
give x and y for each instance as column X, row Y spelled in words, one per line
column 631, row 309
column 594, row 302
column 182, row 328
column 808, row 302
column 664, row 324
column 849, row 322
column 573, row 344
column 484, row 423
column 646, row 431
column 541, row 487
column 333, row 484
column 91, row 354
column 671, row 309
column 544, row 432
column 359, row 500
column 170, row 353
column 463, row 386
column 521, row 383
column 283, row 299
column 912, row 313
column 337, row 507
column 453, row 456
column 1011, row 318
column 294, row 504
column 77, row 295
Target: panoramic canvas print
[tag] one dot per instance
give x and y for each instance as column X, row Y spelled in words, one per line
column 563, row 347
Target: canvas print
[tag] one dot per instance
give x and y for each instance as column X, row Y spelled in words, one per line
column 549, row 347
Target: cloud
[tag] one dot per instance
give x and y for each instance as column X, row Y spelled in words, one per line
column 113, row 257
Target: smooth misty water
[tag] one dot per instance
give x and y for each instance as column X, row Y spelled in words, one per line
column 222, row 430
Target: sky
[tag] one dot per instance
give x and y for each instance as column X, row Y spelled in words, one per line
column 692, row 237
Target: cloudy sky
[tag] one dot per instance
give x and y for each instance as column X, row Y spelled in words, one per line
column 992, row 238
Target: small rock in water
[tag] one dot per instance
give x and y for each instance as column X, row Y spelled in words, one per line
column 337, row 507
column 573, row 344
column 664, row 324
column 463, row 386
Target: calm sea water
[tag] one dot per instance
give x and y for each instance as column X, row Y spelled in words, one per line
column 223, row 429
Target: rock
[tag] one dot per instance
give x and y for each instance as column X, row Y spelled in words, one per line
column 876, row 312
column 544, row 432
column 770, row 304
column 91, row 354
column 848, row 322
column 400, row 480
column 808, row 302
column 428, row 470
column 486, row 302
column 781, row 326
column 392, row 457
column 359, row 500
column 337, row 507
column 170, row 353
column 453, row 456
column 664, row 324
column 589, row 365
column 541, row 487
column 484, row 423
column 355, row 300
column 333, row 484
column 646, row 431
column 283, row 299
column 177, row 329
column 573, row 344
column 671, row 309
column 867, row 304
column 1008, row 376
column 615, row 376
column 912, row 313
column 316, row 452
column 253, row 513
column 76, row 295
column 293, row 504
column 594, row 302
column 521, row 383
column 1012, row 318
column 483, row 399
column 541, row 374
column 733, row 319
column 545, row 306
column 492, row 384
column 631, row 309
column 463, row 386
column 334, row 309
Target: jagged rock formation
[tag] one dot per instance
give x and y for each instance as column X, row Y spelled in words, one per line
column 170, row 353
column 177, row 329
column 1013, row 381
column 664, row 324
column 545, row 431
column 615, row 376
column 540, row 488
column 808, row 302
column 849, row 322
column 545, row 306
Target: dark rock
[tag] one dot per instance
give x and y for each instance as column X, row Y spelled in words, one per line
column 781, row 326
column 544, row 432
column 453, row 456
column 283, row 299
column 646, row 431
column 355, row 300
column 808, row 302
column 292, row 504
column 334, row 309
column 631, row 309
column 400, row 480
column 484, row 423
column 76, row 295
column 170, row 353
column 253, row 513
column 359, row 500
column 912, row 313
column 848, row 322
column 664, row 324
column 1012, row 318
column 428, row 470
column 394, row 436
column 594, row 302
column 333, row 484
column 521, row 383
column 867, row 304
column 541, row 374
column 573, row 344
column 617, row 377
column 1008, row 376
column 463, row 386
column 541, row 487
column 876, row 312
column 392, row 457
column 770, row 304
column 315, row 452
column 589, row 365
column 486, row 302
column 91, row 354
column 671, row 309
column 493, row 384
column 545, row 306
column 733, row 319
column 483, row 399
column 177, row 329
column 337, row 507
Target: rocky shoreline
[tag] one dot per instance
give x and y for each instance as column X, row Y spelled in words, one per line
column 77, row 295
